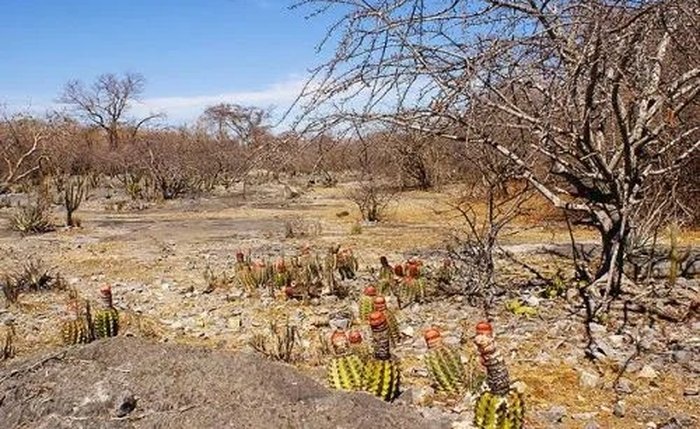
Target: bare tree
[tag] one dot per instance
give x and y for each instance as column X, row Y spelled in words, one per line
column 21, row 140
column 106, row 102
column 235, row 121
column 598, row 92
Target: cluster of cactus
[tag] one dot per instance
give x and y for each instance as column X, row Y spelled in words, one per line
column 346, row 263
column 501, row 406
column 252, row 274
column 81, row 327
column 444, row 364
column 355, row 367
column 406, row 281
column 345, row 370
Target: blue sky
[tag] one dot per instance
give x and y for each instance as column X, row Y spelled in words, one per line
column 192, row 52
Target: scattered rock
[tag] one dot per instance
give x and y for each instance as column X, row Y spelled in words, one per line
column 591, row 424
column 648, row 372
column 588, row 379
column 682, row 356
column 126, row 404
column 619, row 409
column 555, row 414
column 624, row 386
column 691, row 391
column 408, row 331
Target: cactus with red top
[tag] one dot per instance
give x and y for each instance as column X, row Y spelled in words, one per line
column 366, row 304
column 382, row 373
column 78, row 328
column 345, row 368
column 357, row 346
column 107, row 317
column 444, row 364
column 379, row 304
column 501, row 406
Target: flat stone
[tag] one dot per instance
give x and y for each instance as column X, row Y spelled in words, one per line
column 648, row 372
column 588, row 379
column 555, row 414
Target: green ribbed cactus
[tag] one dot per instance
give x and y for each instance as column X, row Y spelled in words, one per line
column 77, row 329
column 444, row 364
column 392, row 321
column 366, row 303
column 345, row 369
column 358, row 347
column 382, row 373
column 502, row 406
column 106, row 318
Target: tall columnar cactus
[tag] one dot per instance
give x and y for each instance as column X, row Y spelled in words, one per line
column 282, row 276
column 367, row 301
column 379, row 304
column 345, row 368
column 107, row 317
column 382, row 373
column 386, row 276
column 444, row 364
column 357, row 346
column 501, row 406
column 77, row 329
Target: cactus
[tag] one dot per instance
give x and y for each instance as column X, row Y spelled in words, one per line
column 379, row 304
column 357, row 346
column 382, row 373
column 282, row 276
column 345, row 368
column 367, row 302
column 501, row 407
column 106, row 318
column 386, row 276
column 77, row 329
column 444, row 364
column 346, row 264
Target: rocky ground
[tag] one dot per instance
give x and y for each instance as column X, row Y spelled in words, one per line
column 155, row 257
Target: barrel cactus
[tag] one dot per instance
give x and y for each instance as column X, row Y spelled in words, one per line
column 77, row 328
column 382, row 373
column 345, row 368
column 392, row 321
column 444, row 364
column 367, row 301
column 501, row 406
column 107, row 317
column 357, row 346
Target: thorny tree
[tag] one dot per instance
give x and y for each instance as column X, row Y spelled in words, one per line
column 233, row 121
column 106, row 102
column 602, row 91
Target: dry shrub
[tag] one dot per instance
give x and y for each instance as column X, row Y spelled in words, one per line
column 372, row 198
column 32, row 277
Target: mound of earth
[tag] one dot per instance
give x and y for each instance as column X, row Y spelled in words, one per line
column 131, row 382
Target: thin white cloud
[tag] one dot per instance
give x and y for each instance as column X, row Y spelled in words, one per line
column 179, row 109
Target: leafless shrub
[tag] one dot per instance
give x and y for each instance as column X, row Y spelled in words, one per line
column 372, row 198
column 32, row 277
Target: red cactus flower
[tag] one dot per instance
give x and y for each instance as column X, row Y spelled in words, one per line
column 370, row 291
column 240, row 257
column 377, row 320
column 432, row 337
column 398, row 271
column 484, row 328
column 379, row 303
column 355, row 337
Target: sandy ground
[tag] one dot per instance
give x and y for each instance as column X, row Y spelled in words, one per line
column 155, row 259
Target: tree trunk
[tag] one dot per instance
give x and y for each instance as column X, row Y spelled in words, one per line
column 614, row 232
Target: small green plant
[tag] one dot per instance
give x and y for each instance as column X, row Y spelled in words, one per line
column 518, row 308
column 278, row 343
column 32, row 277
column 32, row 218
column 8, row 344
